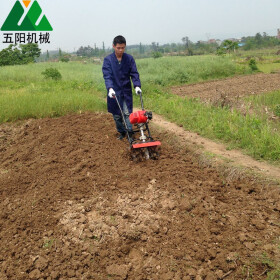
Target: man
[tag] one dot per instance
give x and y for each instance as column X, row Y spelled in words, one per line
column 118, row 68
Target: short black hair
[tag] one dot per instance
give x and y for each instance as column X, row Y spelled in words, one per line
column 119, row 40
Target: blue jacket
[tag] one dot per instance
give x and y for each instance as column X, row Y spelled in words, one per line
column 117, row 76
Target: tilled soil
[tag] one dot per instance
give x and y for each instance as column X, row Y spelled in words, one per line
column 230, row 89
column 73, row 206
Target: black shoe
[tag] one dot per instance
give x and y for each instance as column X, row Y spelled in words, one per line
column 131, row 135
column 121, row 136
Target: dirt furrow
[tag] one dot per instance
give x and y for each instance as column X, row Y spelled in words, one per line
column 232, row 88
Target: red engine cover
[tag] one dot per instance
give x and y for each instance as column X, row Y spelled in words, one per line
column 138, row 117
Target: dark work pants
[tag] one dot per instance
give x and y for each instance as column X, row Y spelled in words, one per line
column 119, row 122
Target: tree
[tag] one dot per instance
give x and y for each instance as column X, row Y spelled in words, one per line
column 186, row 42
column 260, row 41
column 221, row 51
column 174, row 47
column 230, row 46
column 86, row 51
column 47, row 56
column 10, row 56
column 234, row 46
column 258, row 38
column 167, row 49
column 141, row 49
column 155, row 46
column 96, row 50
column 30, row 52
column 13, row 55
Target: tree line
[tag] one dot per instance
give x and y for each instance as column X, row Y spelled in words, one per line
column 187, row 47
column 260, row 41
column 22, row 54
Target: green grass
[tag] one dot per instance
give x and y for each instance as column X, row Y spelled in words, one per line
column 167, row 71
column 251, row 133
column 267, row 60
column 24, row 93
column 274, row 275
column 267, row 53
column 272, row 266
column 46, row 102
column 269, row 67
column 270, row 101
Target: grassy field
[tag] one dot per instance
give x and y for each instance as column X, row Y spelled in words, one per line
column 167, row 71
column 253, row 133
column 267, row 59
column 269, row 67
column 269, row 53
column 24, row 93
column 270, row 100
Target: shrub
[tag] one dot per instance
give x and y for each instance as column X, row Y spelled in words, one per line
column 52, row 73
column 182, row 77
column 157, row 54
column 221, row 51
column 64, row 59
column 253, row 65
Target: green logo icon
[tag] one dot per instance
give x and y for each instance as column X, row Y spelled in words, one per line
column 30, row 20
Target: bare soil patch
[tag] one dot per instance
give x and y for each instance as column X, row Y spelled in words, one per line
column 72, row 206
column 230, row 89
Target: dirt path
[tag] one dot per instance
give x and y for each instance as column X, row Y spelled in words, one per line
column 72, row 206
column 235, row 157
column 230, row 88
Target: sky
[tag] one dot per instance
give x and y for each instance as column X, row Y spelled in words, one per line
column 88, row 22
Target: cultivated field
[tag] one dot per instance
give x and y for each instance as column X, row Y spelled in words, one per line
column 73, row 205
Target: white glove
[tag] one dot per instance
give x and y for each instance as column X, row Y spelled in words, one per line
column 138, row 90
column 111, row 93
